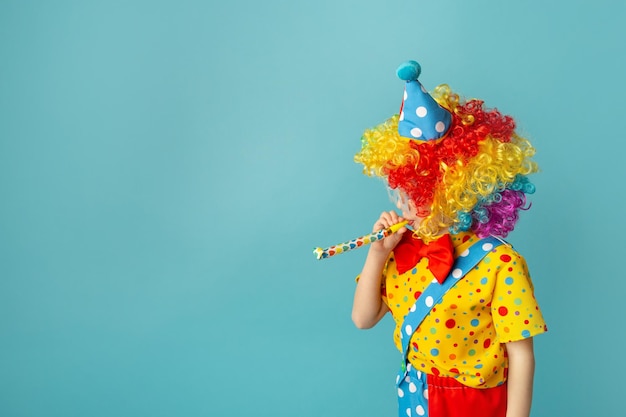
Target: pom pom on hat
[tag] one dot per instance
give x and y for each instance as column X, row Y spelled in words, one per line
column 409, row 71
column 421, row 117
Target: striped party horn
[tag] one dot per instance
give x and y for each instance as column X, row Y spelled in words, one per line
column 358, row 242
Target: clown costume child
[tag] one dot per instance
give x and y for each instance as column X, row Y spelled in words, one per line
column 461, row 297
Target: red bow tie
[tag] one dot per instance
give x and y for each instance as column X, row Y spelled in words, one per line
column 440, row 254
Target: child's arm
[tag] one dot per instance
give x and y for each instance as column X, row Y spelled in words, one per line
column 368, row 307
column 520, row 377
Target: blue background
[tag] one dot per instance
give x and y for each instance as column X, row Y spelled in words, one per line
column 167, row 167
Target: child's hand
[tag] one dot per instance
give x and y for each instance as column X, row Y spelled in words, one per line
column 387, row 219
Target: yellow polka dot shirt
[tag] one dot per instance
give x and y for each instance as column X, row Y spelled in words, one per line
column 463, row 337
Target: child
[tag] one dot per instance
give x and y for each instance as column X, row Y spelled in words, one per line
column 457, row 172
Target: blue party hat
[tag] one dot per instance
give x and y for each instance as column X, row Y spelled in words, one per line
column 421, row 117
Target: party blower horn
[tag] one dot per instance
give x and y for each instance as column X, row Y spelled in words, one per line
column 358, row 242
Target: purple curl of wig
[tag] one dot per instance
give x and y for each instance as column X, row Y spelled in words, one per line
column 499, row 217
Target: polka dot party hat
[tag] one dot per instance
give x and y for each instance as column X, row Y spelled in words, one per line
column 421, row 117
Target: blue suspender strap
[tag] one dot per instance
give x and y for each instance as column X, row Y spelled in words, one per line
column 435, row 292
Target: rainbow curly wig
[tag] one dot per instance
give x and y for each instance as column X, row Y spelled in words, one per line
column 474, row 177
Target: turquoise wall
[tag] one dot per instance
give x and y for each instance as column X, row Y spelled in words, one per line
column 166, row 168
